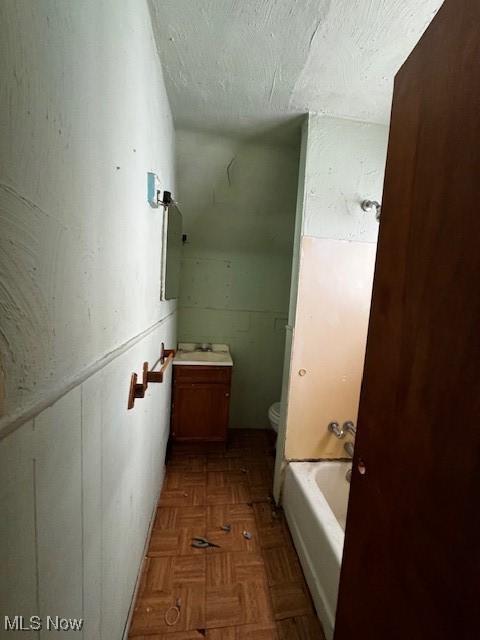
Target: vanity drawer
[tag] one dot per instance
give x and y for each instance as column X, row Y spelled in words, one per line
column 200, row 373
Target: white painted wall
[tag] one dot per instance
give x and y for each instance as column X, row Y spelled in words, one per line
column 343, row 163
column 238, row 202
column 78, row 485
column 83, row 116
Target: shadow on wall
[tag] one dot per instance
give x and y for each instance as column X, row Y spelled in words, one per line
column 238, row 199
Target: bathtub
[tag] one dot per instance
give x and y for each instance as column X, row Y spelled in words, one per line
column 315, row 497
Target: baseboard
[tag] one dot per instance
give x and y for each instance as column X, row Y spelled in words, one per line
column 142, row 562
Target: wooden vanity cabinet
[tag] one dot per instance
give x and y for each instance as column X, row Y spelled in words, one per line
column 200, row 403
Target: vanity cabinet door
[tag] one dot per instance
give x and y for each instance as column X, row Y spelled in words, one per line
column 200, row 410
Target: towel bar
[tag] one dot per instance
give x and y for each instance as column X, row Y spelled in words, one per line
column 137, row 389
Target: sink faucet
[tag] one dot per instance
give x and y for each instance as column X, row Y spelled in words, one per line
column 205, row 346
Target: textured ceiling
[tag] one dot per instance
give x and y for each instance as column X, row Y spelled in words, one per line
column 247, row 66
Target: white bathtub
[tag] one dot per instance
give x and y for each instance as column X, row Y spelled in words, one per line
column 315, row 498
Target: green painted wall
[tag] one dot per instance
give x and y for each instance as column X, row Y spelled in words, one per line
column 238, row 201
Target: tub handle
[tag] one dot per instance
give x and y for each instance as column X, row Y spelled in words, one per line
column 349, row 427
column 337, row 430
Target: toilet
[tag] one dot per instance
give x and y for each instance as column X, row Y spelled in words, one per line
column 274, row 416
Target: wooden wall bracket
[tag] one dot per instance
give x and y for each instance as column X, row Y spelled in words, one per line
column 166, row 358
column 137, row 389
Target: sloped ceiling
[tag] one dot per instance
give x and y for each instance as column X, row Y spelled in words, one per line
column 247, row 66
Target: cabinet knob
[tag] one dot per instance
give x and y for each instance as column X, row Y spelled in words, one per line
column 227, row 395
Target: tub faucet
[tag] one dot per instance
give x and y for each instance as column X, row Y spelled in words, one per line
column 349, row 427
column 341, row 432
column 348, row 446
column 337, row 431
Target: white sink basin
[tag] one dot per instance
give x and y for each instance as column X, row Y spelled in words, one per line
column 201, row 356
column 187, row 354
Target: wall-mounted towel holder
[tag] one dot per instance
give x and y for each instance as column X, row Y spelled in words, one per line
column 157, row 376
column 137, row 389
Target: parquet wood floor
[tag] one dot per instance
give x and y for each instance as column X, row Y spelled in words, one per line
column 250, row 587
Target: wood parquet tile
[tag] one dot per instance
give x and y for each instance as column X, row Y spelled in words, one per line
column 261, row 493
column 219, row 515
column 234, row 540
column 244, row 632
column 163, row 574
column 264, row 461
column 188, row 462
column 149, row 613
column 194, row 634
column 226, row 478
column 179, row 478
column 183, row 497
column 250, row 587
column 299, row 628
column 231, row 568
column 181, row 517
column 238, row 603
column 175, row 542
column 218, row 463
column 268, row 516
column 290, row 600
column 259, row 475
column 282, row 565
column 231, row 494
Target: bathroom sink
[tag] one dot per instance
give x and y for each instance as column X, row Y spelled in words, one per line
column 189, row 354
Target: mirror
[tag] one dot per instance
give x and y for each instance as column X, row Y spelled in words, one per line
column 172, row 253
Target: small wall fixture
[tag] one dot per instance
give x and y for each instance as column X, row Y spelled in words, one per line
column 154, row 192
column 370, row 205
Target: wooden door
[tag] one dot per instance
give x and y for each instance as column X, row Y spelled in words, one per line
column 411, row 567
